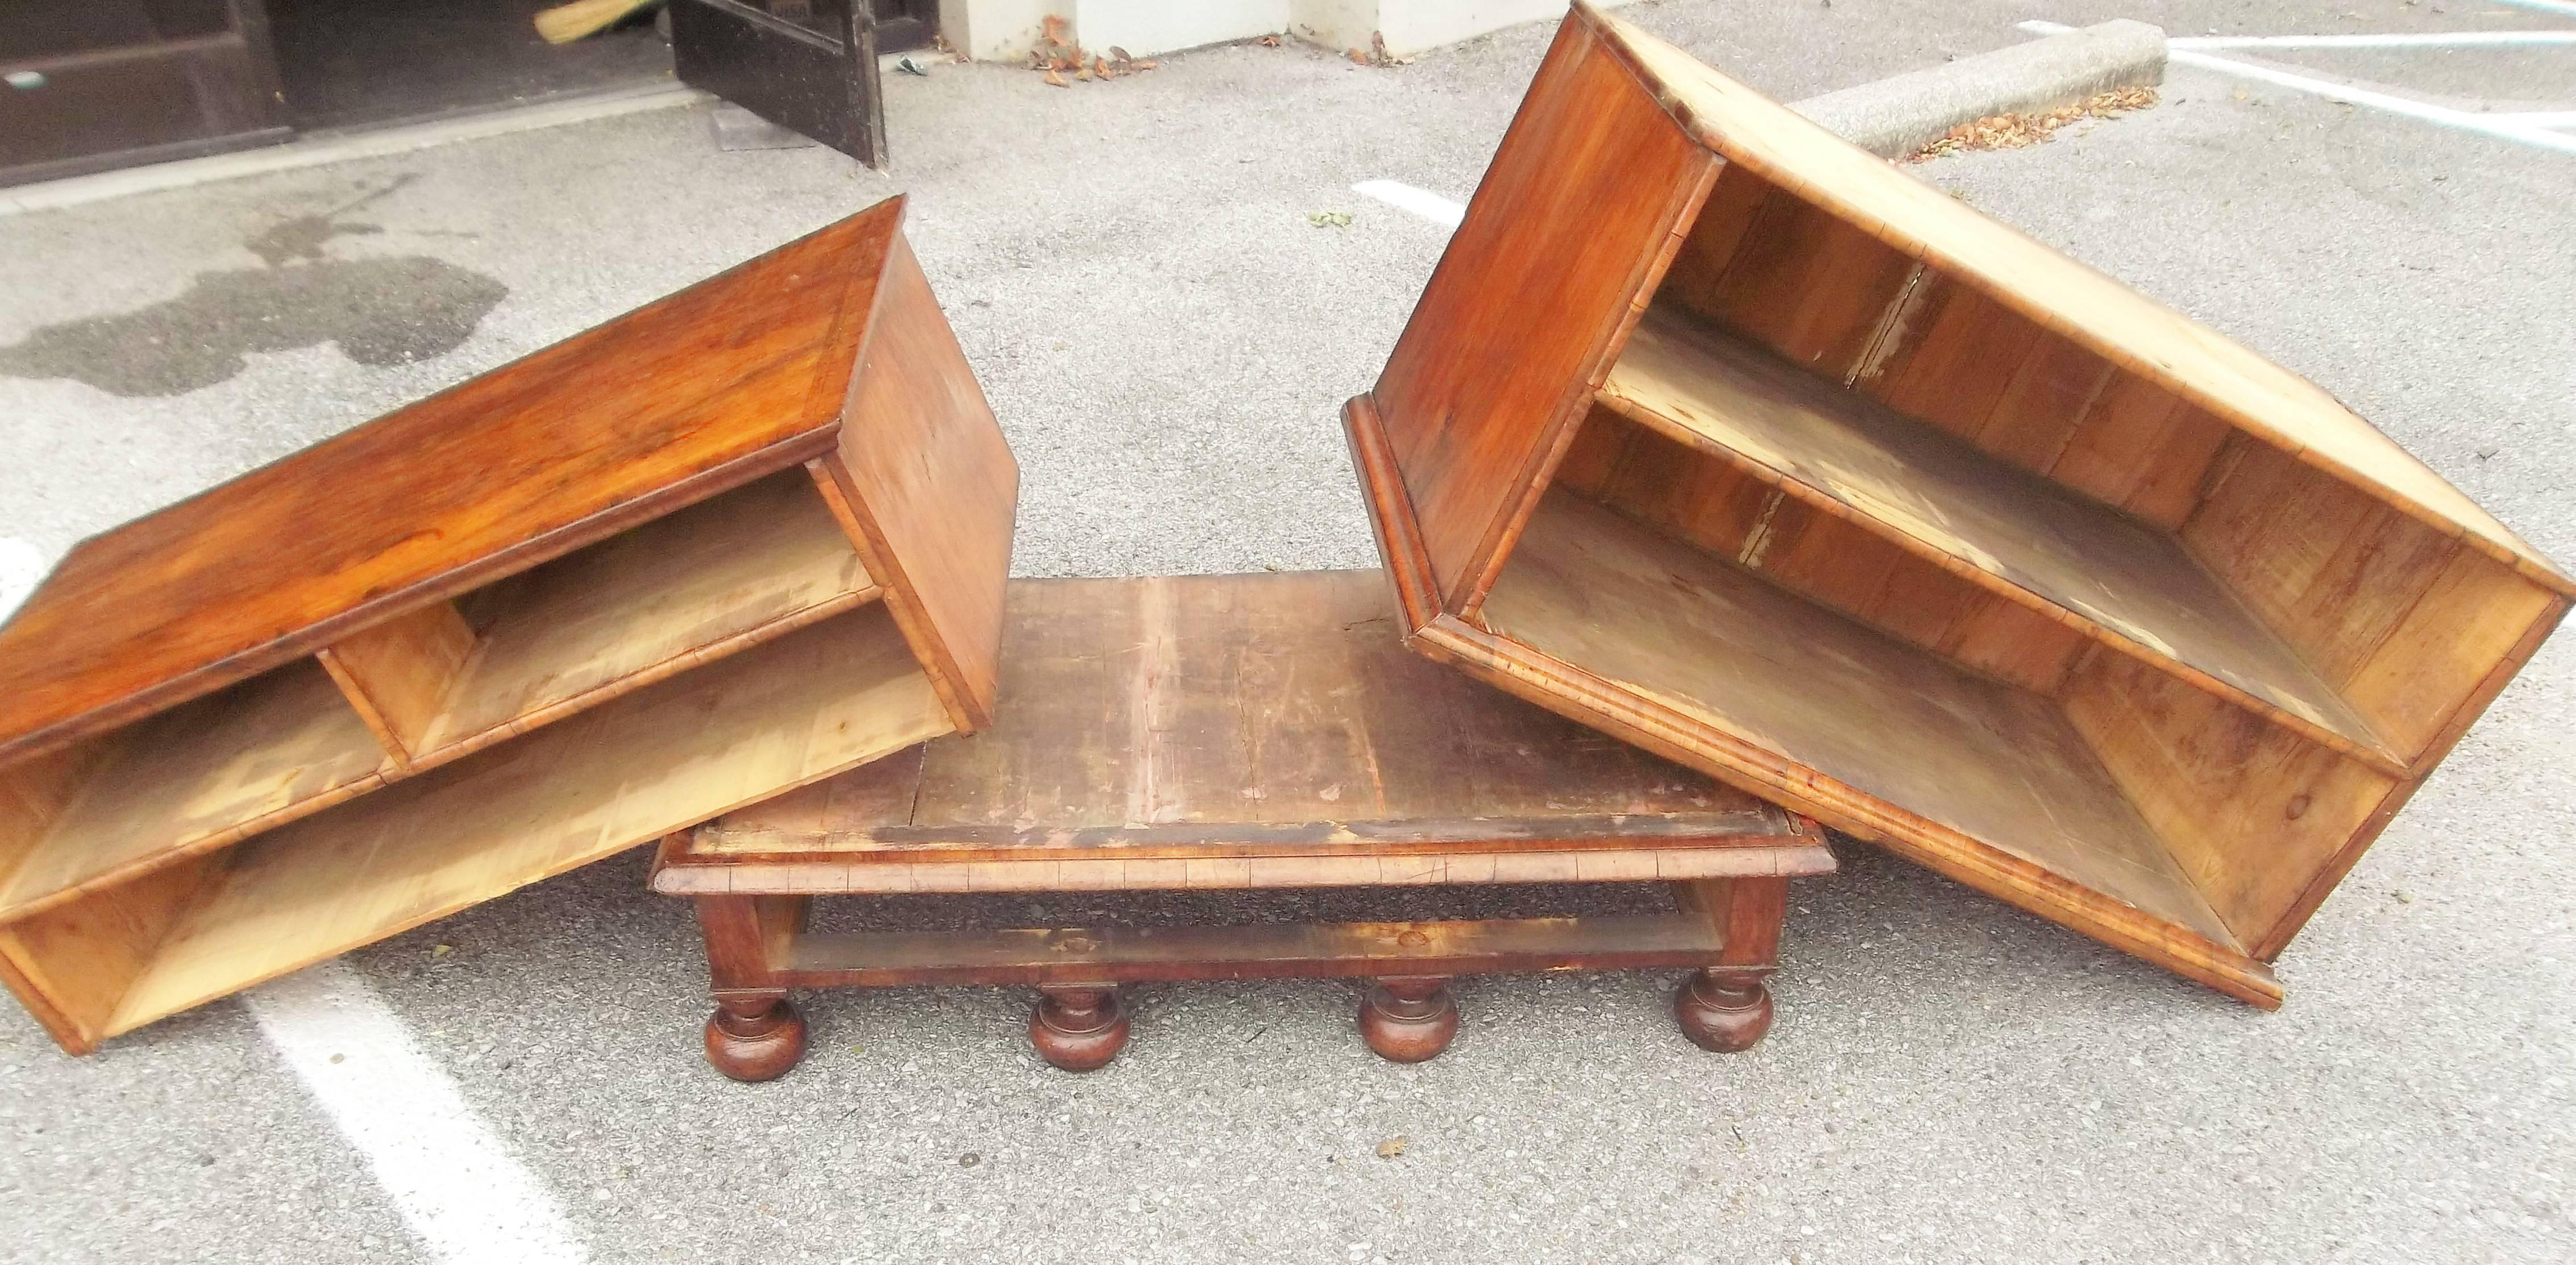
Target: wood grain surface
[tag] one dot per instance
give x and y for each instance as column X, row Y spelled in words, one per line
column 1240, row 731
column 2115, row 577
column 2057, row 293
column 711, row 387
column 1489, row 377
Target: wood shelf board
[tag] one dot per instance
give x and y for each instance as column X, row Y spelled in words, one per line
column 803, row 707
column 1925, row 739
column 713, row 578
column 263, row 752
column 2093, row 309
column 1036, row 955
column 2113, row 576
column 741, row 374
column 1150, row 712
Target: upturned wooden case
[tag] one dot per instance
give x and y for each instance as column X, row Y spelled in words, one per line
column 1726, row 437
column 741, row 539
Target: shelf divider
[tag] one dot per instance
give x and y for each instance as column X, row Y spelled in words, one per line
column 2116, row 578
column 1738, row 654
column 801, row 708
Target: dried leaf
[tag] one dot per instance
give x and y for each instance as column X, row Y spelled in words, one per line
column 1055, row 80
column 1119, row 55
column 1358, row 57
column 1329, row 219
column 1270, row 41
column 1082, row 72
column 1100, row 68
column 2013, row 131
column 1147, row 64
column 1393, row 1147
column 441, row 950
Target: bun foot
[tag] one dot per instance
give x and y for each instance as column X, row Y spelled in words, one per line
column 757, row 1039
column 1079, row 1029
column 1407, row 1019
column 1723, row 1011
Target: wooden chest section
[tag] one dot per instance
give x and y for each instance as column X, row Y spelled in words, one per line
column 1849, row 495
column 743, row 538
column 1236, row 733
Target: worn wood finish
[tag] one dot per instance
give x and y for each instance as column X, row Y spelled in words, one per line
column 1489, row 378
column 925, row 479
column 799, row 709
column 710, row 387
column 198, row 777
column 1889, row 512
column 1233, row 732
column 645, row 533
column 2065, row 556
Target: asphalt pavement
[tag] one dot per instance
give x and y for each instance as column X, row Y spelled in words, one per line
column 1166, row 335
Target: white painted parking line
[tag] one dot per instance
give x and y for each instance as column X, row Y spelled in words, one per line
column 2502, row 127
column 1422, row 202
column 470, row 1201
column 2559, row 7
column 22, row 564
column 2420, row 39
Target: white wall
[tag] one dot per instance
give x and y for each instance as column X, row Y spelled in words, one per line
column 1146, row 27
column 1005, row 30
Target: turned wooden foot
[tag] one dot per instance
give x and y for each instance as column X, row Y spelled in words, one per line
column 1079, row 1029
column 1407, row 1019
column 755, row 1038
column 1725, row 1011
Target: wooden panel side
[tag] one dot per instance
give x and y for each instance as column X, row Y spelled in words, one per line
column 2476, row 618
column 1579, row 206
column 796, row 710
column 2405, row 620
column 930, row 482
column 35, row 791
column 1805, row 284
column 2050, row 289
column 398, row 673
column 2249, row 811
column 1713, row 505
column 71, row 965
column 673, row 402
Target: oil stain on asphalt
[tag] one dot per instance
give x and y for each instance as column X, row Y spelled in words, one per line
column 383, row 311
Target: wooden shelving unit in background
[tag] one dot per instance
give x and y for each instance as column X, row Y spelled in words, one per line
column 741, row 539
column 1726, row 437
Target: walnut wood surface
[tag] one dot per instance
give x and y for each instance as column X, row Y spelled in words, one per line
column 2095, row 311
column 924, row 478
column 1239, row 731
column 731, row 378
column 1893, row 514
column 1490, row 374
column 804, row 707
column 2073, row 558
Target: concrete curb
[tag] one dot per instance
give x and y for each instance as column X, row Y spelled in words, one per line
column 1896, row 116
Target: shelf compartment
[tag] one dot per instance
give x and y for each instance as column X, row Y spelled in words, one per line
column 803, row 707
column 1776, row 672
column 256, row 754
column 2075, row 560
column 704, row 582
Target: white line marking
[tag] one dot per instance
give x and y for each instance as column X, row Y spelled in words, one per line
column 317, row 150
column 2428, row 39
column 2464, row 120
column 22, row 566
column 2539, row 118
column 2559, row 7
column 470, row 1201
column 1422, row 202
